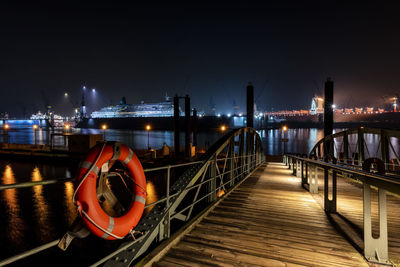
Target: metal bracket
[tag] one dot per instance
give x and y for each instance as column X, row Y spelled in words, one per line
column 330, row 204
column 375, row 249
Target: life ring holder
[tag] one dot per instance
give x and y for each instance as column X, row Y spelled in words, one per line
column 85, row 195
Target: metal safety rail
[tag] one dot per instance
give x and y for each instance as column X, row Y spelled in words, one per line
column 225, row 164
column 375, row 249
column 354, row 146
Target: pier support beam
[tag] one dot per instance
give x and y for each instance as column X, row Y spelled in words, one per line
column 176, row 125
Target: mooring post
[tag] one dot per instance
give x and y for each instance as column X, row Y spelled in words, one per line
column 176, row 125
column 250, row 104
column 194, row 127
column 187, row 127
column 328, row 117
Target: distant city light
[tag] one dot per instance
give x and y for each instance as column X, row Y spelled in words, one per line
column 76, row 110
column 66, row 126
column 240, row 114
column 223, row 128
column 35, row 127
column 84, row 87
column 93, row 90
column 6, row 126
column 104, row 127
column 333, row 106
column 284, row 128
column 66, row 94
column 218, row 115
column 229, row 115
column 148, row 127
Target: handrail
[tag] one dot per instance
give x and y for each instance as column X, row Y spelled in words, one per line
column 389, row 183
column 337, row 146
column 204, row 172
column 375, row 248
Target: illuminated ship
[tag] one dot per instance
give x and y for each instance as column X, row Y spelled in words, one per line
column 124, row 110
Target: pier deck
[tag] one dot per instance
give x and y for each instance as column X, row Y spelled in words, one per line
column 269, row 220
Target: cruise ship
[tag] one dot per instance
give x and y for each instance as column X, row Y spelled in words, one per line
column 124, row 110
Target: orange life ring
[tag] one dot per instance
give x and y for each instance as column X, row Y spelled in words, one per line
column 85, row 195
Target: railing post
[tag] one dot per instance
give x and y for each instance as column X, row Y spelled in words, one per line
column 346, row 147
column 165, row 227
column 329, row 204
column 212, row 184
column 375, row 249
column 294, row 162
column 314, row 181
column 360, row 142
column 242, row 160
column 385, row 148
column 231, row 161
column 298, row 171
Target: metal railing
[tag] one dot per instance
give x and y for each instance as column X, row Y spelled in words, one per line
column 375, row 249
column 354, row 146
column 224, row 165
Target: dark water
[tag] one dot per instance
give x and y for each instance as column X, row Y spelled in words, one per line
column 33, row 216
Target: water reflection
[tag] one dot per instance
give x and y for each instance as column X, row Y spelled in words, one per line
column 15, row 225
column 41, row 207
column 70, row 211
column 151, row 194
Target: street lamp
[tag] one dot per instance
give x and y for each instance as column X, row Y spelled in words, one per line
column 104, row 127
column 6, row 128
column 35, row 127
column 284, row 140
column 222, row 128
column 148, row 128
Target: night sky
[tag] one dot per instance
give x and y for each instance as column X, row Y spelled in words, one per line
column 207, row 50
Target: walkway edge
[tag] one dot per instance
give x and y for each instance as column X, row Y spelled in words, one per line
column 164, row 247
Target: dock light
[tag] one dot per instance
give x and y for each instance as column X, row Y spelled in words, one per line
column 93, row 90
column 6, row 126
column 223, row 128
column 240, row 114
column 35, row 127
column 148, row 128
column 76, row 110
column 104, row 127
column 218, row 115
column 66, row 126
column 66, row 94
column 333, row 106
column 229, row 115
column 284, row 128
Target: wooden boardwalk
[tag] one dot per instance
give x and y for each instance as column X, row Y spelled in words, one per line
column 269, row 220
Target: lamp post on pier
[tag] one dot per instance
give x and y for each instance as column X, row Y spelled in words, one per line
column 148, row 128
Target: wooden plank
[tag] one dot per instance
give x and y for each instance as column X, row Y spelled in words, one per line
column 269, row 220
